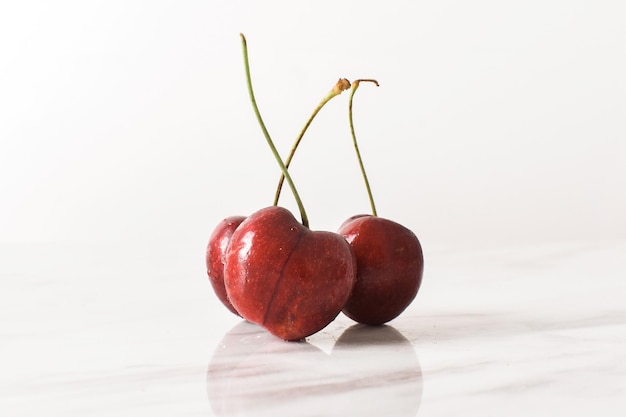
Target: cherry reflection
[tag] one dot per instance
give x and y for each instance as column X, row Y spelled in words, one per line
column 370, row 371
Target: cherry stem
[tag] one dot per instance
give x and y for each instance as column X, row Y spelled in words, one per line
column 339, row 88
column 355, row 86
column 270, row 142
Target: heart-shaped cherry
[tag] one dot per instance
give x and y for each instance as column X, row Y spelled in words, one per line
column 285, row 277
column 215, row 252
column 220, row 238
column 280, row 274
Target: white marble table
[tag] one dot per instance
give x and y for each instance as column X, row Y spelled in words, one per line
column 135, row 331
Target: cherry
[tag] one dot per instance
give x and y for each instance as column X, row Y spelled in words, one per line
column 280, row 274
column 220, row 238
column 390, row 262
column 215, row 252
column 285, row 277
column 389, row 269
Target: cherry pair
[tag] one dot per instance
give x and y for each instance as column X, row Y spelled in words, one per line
column 274, row 271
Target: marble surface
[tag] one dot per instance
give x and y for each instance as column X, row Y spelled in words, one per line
column 99, row 330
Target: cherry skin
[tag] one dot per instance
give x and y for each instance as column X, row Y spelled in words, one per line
column 283, row 276
column 215, row 252
column 390, row 265
column 352, row 218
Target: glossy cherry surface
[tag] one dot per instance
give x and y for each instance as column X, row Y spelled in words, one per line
column 390, row 265
column 285, row 277
column 215, row 252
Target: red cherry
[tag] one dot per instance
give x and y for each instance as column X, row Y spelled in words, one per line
column 215, row 252
column 390, row 264
column 285, row 277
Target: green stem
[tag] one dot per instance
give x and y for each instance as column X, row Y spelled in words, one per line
column 270, row 142
column 355, row 86
column 339, row 88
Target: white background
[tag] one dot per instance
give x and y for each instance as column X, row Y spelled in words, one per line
column 126, row 135
column 495, row 122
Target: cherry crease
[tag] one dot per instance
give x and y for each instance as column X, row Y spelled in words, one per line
column 285, row 277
